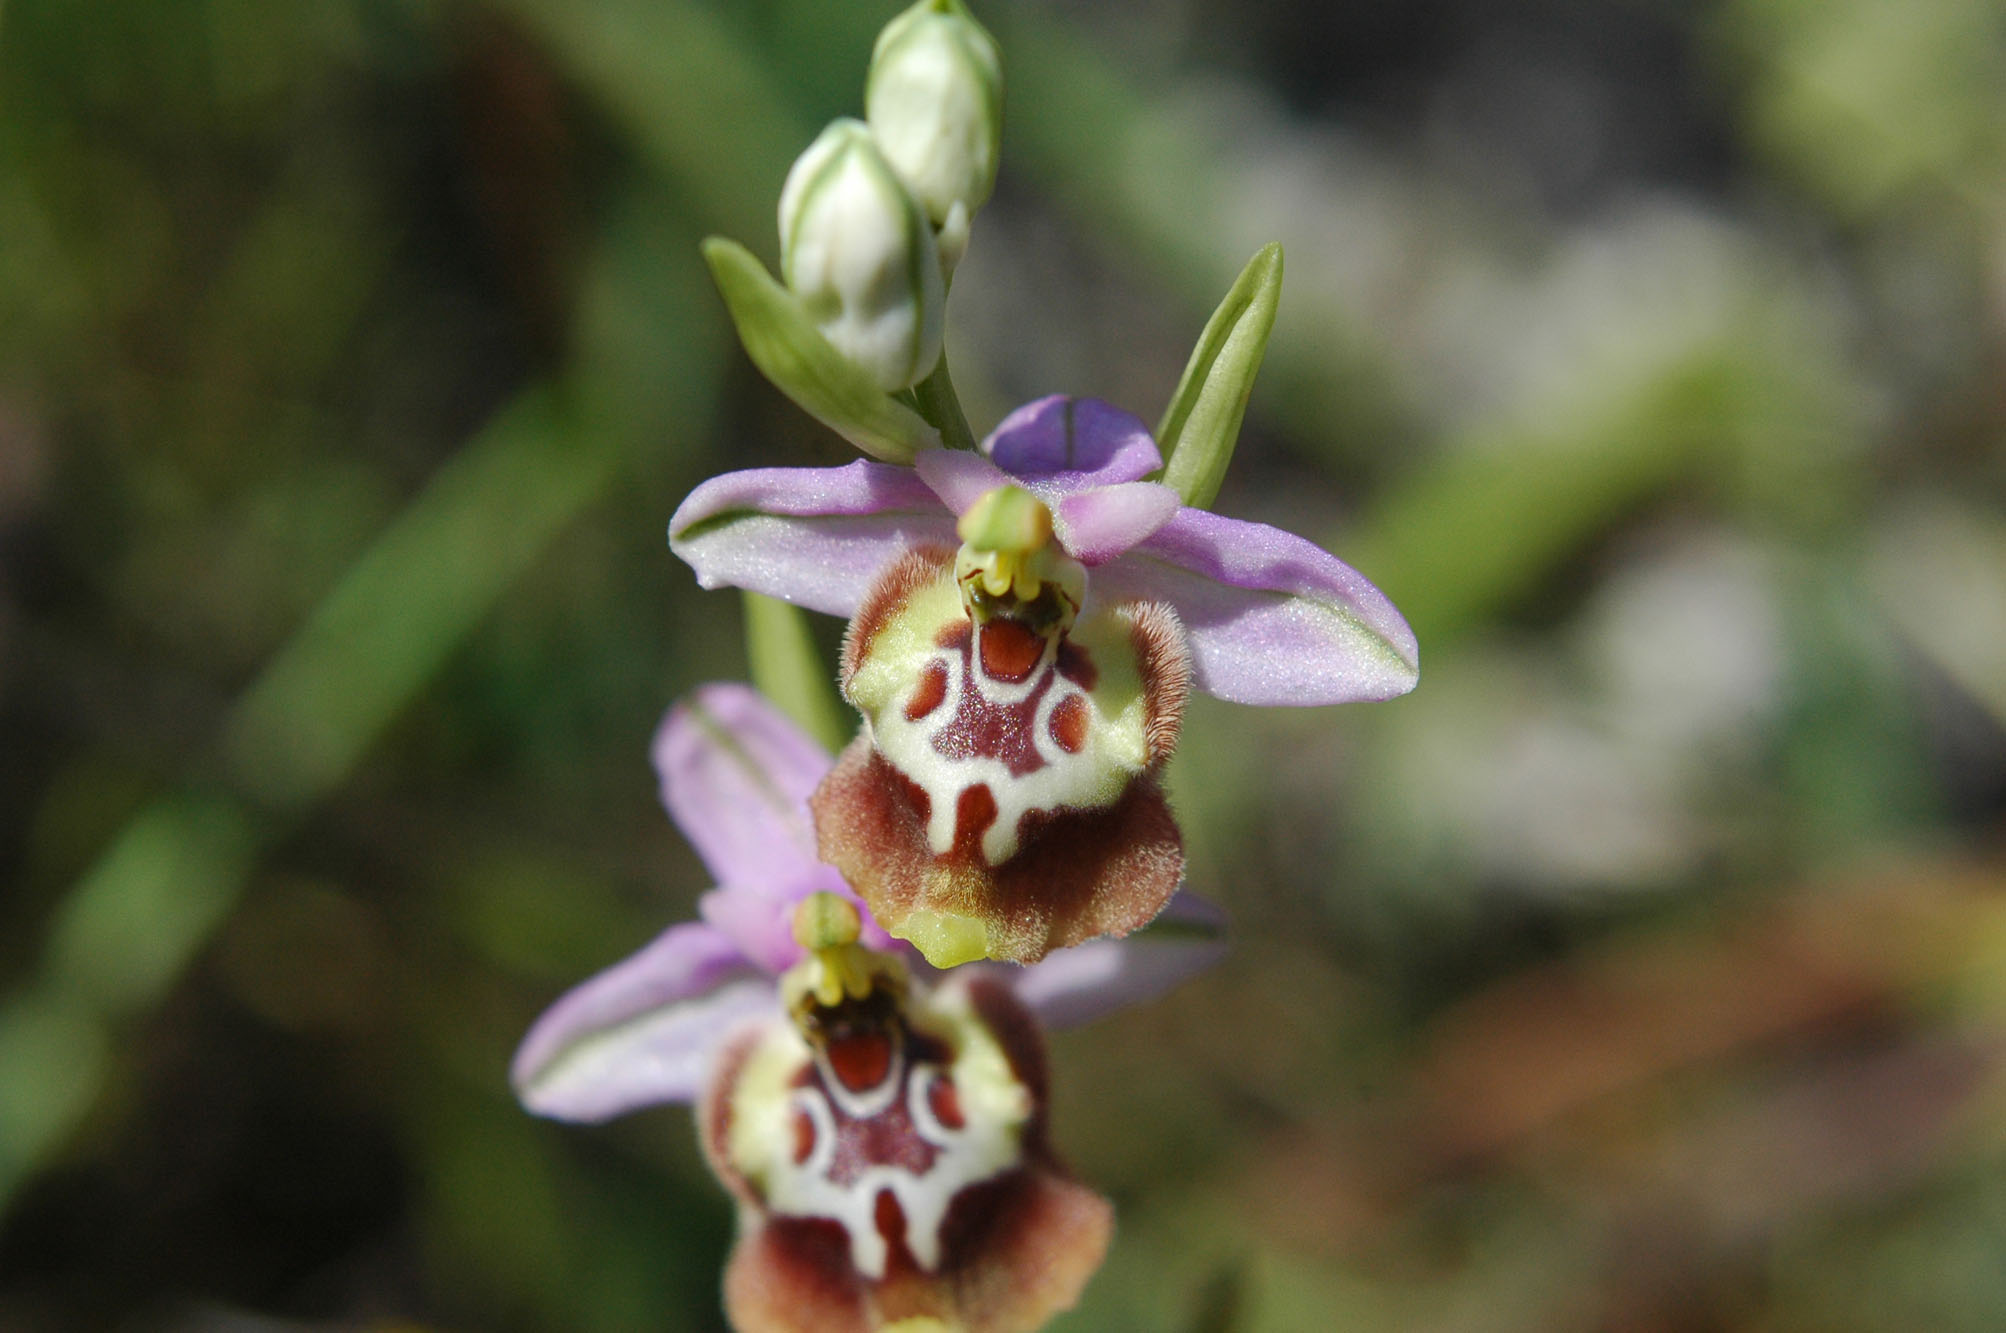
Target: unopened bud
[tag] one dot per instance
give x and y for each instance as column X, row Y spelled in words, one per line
column 935, row 103
column 857, row 250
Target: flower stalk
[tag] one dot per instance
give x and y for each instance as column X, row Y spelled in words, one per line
column 940, row 407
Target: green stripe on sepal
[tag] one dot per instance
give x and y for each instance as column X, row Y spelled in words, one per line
column 784, row 343
column 1202, row 423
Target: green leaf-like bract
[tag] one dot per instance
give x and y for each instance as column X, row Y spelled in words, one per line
column 784, row 343
column 1202, row 423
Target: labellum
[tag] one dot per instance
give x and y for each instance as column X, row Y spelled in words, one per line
column 1002, row 800
column 889, row 1151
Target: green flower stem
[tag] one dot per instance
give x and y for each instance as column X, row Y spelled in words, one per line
column 787, row 669
column 935, row 398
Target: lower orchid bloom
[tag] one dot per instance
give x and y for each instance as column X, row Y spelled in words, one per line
column 1025, row 623
column 884, row 1132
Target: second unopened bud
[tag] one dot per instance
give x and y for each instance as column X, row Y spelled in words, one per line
column 858, row 251
column 935, row 103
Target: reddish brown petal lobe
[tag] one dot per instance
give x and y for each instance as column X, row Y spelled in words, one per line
column 1078, row 874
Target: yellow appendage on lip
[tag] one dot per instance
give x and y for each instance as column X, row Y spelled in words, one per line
column 947, row 939
column 1007, row 555
column 837, row 967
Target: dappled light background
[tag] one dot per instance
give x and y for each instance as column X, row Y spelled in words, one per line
column 1644, row 970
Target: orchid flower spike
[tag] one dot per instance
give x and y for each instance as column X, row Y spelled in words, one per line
column 883, row 1131
column 1025, row 622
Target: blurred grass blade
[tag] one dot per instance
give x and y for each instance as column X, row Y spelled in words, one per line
column 787, row 669
column 411, row 599
column 124, row 933
column 130, row 927
column 53, row 1052
column 790, row 351
column 119, row 939
column 1202, row 423
column 133, row 923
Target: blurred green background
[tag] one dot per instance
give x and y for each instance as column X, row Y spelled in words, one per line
column 1645, row 970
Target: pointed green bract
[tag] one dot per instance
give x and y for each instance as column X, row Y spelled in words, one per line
column 1202, row 423
column 788, row 670
column 784, row 343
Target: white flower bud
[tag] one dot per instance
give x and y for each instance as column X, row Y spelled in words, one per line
column 935, row 103
column 858, row 252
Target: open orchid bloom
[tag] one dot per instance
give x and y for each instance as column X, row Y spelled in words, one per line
column 883, row 1130
column 888, row 1150
column 1025, row 624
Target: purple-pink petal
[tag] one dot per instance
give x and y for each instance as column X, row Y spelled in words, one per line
column 1093, row 523
column 1073, row 986
column 958, row 478
column 736, row 776
column 759, row 915
column 812, row 536
column 1271, row 618
column 1073, row 443
column 642, row 1031
column 1099, row 524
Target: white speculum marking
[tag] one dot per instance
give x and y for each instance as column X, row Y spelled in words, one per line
column 831, row 1183
column 978, row 734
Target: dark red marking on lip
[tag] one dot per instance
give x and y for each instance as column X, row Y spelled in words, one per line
column 1076, row 664
column 861, row 1060
column 889, row 1218
column 804, row 1136
column 1069, row 723
column 955, row 634
column 886, row 1137
column 931, row 693
column 1010, row 649
column 945, row 1103
column 974, row 812
column 981, row 728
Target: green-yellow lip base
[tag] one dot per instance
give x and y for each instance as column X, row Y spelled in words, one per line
column 945, row 939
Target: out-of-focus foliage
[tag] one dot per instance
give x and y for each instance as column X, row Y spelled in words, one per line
column 1645, row 969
